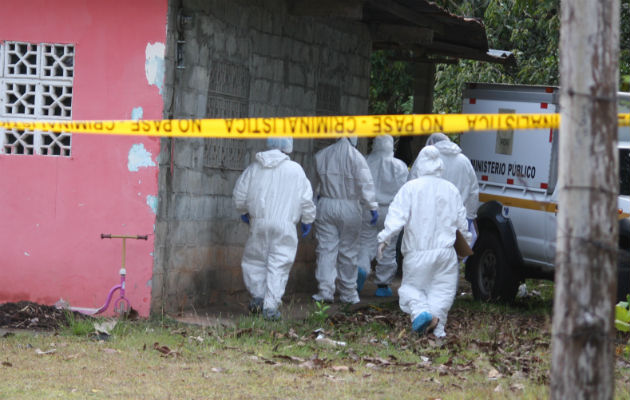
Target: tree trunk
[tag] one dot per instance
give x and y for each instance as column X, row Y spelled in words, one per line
column 582, row 364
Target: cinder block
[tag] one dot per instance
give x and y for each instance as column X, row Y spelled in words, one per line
column 177, row 235
column 198, row 79
column 182, row 153
column 217, row 229
column 202, row 233
column 216, row 256
column 255, row 18
column 297, row 75
column 197, row 206
column 179, row 181
column 309, row 99
column 204, row 55
column 189, row 102
column 260, row 90
column 209, row 208
column 202, row 102
column 235, row 15
column 161, row 227
column 235, row 233
column 218, row 42
column 230, row 46
column 193, row 179
column 261, row 43
column 182, row 207
column 233, row 257
column 205, row 25
column 279, row 18
column 267, row 21
column 275, row 45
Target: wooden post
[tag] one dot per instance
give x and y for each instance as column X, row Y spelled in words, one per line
column 423, row 83
column 582, row 364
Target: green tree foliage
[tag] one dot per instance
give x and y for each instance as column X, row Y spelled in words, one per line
column 624, row 42
column 528, row 28
column 391, row 88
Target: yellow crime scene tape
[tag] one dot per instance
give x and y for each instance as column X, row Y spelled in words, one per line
column 314, row 127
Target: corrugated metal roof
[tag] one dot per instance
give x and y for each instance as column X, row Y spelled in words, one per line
column 453, row 36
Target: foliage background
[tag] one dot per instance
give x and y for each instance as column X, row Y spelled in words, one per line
column 528, row 28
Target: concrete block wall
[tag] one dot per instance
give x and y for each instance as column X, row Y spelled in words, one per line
column 228, row 58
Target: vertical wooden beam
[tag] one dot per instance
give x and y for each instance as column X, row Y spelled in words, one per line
column 583, row 341
column 423, row 83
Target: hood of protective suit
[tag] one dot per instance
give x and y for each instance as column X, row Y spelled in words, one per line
column 383, row 144
column 429, row 162
column 447, row 147
column 284, row 144
column 271, row 158
column 352, row 139
column 388, row 173
column 436, row 137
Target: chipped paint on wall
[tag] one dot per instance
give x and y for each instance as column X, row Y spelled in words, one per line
column 139, row 157
column 152, row 201
column 136, row 113
column 154, row 64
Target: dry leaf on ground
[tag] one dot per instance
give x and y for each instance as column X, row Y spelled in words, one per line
column 165, row 350
column 47, row 352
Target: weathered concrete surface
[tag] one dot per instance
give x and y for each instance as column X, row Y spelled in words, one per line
column 238, row 59
column 297, row 306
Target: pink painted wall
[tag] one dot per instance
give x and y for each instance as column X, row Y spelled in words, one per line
column 53, row 209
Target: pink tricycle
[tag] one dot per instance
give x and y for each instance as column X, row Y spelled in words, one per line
column 121, row 304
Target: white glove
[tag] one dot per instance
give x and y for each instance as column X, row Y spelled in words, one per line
column 379, row 250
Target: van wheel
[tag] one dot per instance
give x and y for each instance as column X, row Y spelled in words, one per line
column 490, row 276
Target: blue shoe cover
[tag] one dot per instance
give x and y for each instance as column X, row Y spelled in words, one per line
column 255, row 305
column 421, row 322
column 384, row 291
column 361, row 277
column 271, row 314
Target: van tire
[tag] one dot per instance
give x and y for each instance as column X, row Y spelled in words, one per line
column 491, row 278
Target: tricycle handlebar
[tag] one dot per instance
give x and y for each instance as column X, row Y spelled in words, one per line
column 110, row 236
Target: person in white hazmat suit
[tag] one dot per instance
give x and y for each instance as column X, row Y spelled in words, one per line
column 431, row 210
column 389, row 174
column 459, row 171
column 344, row 184
column 272, row 195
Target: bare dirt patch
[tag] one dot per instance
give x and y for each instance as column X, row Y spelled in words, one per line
column 29, row 315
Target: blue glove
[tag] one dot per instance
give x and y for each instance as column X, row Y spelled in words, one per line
column 306, row 228
column 374, row 217
column 245, row 218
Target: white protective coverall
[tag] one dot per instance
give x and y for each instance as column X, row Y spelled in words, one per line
column 276, row 193
column 459, row 171
column 344, row 184
column 389, row 174
column 431, row 210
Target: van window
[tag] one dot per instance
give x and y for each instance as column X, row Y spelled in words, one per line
column 624, row 172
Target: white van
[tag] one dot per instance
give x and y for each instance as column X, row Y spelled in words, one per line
column 517, row 173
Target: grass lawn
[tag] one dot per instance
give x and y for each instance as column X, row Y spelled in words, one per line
column 491, row 352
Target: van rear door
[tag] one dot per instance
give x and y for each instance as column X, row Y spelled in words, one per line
column 514, row 167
